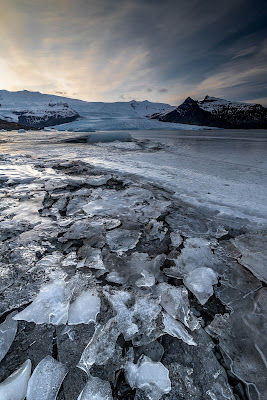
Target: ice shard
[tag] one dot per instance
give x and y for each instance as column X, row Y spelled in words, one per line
column 200, row 282
column 46, row 380
column 50, row 306
column 8, row 330
column 84, row 309
column 176, row 329
column 149, row 376
column 96, row 389
column 15, row 386
column 101, row 346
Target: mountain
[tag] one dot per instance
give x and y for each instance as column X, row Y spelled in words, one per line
column 216, row 112
column 40, row 110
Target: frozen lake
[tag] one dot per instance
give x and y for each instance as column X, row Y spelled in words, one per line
column 225, row 170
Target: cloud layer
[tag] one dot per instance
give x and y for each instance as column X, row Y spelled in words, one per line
column 144, row 49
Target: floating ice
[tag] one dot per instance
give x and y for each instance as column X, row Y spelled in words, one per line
column 149, row 376
column 96, row 389
column 85, row 308
column 8, row 330
column 121, row 240
column 15, row 386
column 101, row 347
column 109, row 137
column 200, row 282
column 50, row 306
column 175, row 301
column 46, row 379
column 177, row 329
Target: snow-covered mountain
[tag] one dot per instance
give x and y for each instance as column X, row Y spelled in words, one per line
column 39, row 110
column 217, row 112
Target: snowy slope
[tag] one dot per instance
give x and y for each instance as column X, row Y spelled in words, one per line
column 31, row 108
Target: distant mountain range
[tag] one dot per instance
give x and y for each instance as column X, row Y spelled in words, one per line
column 34, row 110
column 38, row 110
column 216, row 112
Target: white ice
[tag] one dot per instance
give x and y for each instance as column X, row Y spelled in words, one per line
column 50, row 306
column 84, row 309
column 149, row 376
column 8, row 330
column 96, row 389
column 46, row 379
column 200, row 282
column 15, row 386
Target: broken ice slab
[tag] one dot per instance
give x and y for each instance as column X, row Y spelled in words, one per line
column 242, row 337
column 92, row 258
column 101, row 347
column 8, row 330
column 136, row 315
column 96, row 389
column 143, row 270
column 50, row 306
column 149, row 376
column 177, row 329
column 27, row 210
column 176, row 239
column 200, row 282
column 192, row 223
column 98, row 180
column 84, row 309
column 15, row 386
column 121, row 240
column 155, row 230
column 174, row 300
column 46, row 380
column 83, row 229
column 253, row 253
column 18, row 173
column 197, row 252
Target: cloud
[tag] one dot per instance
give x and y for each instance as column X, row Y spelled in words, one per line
column 100, row 49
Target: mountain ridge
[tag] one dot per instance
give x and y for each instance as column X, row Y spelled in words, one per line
column 221, row 113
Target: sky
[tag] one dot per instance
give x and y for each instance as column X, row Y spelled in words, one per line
column 119, row 50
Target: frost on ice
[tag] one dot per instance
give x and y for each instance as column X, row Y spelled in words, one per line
column 84, row 309
column 8, row 330
column 15, row 386
column 96, row 389
column 46, row 380
column 50, row 306
column 149, row 376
